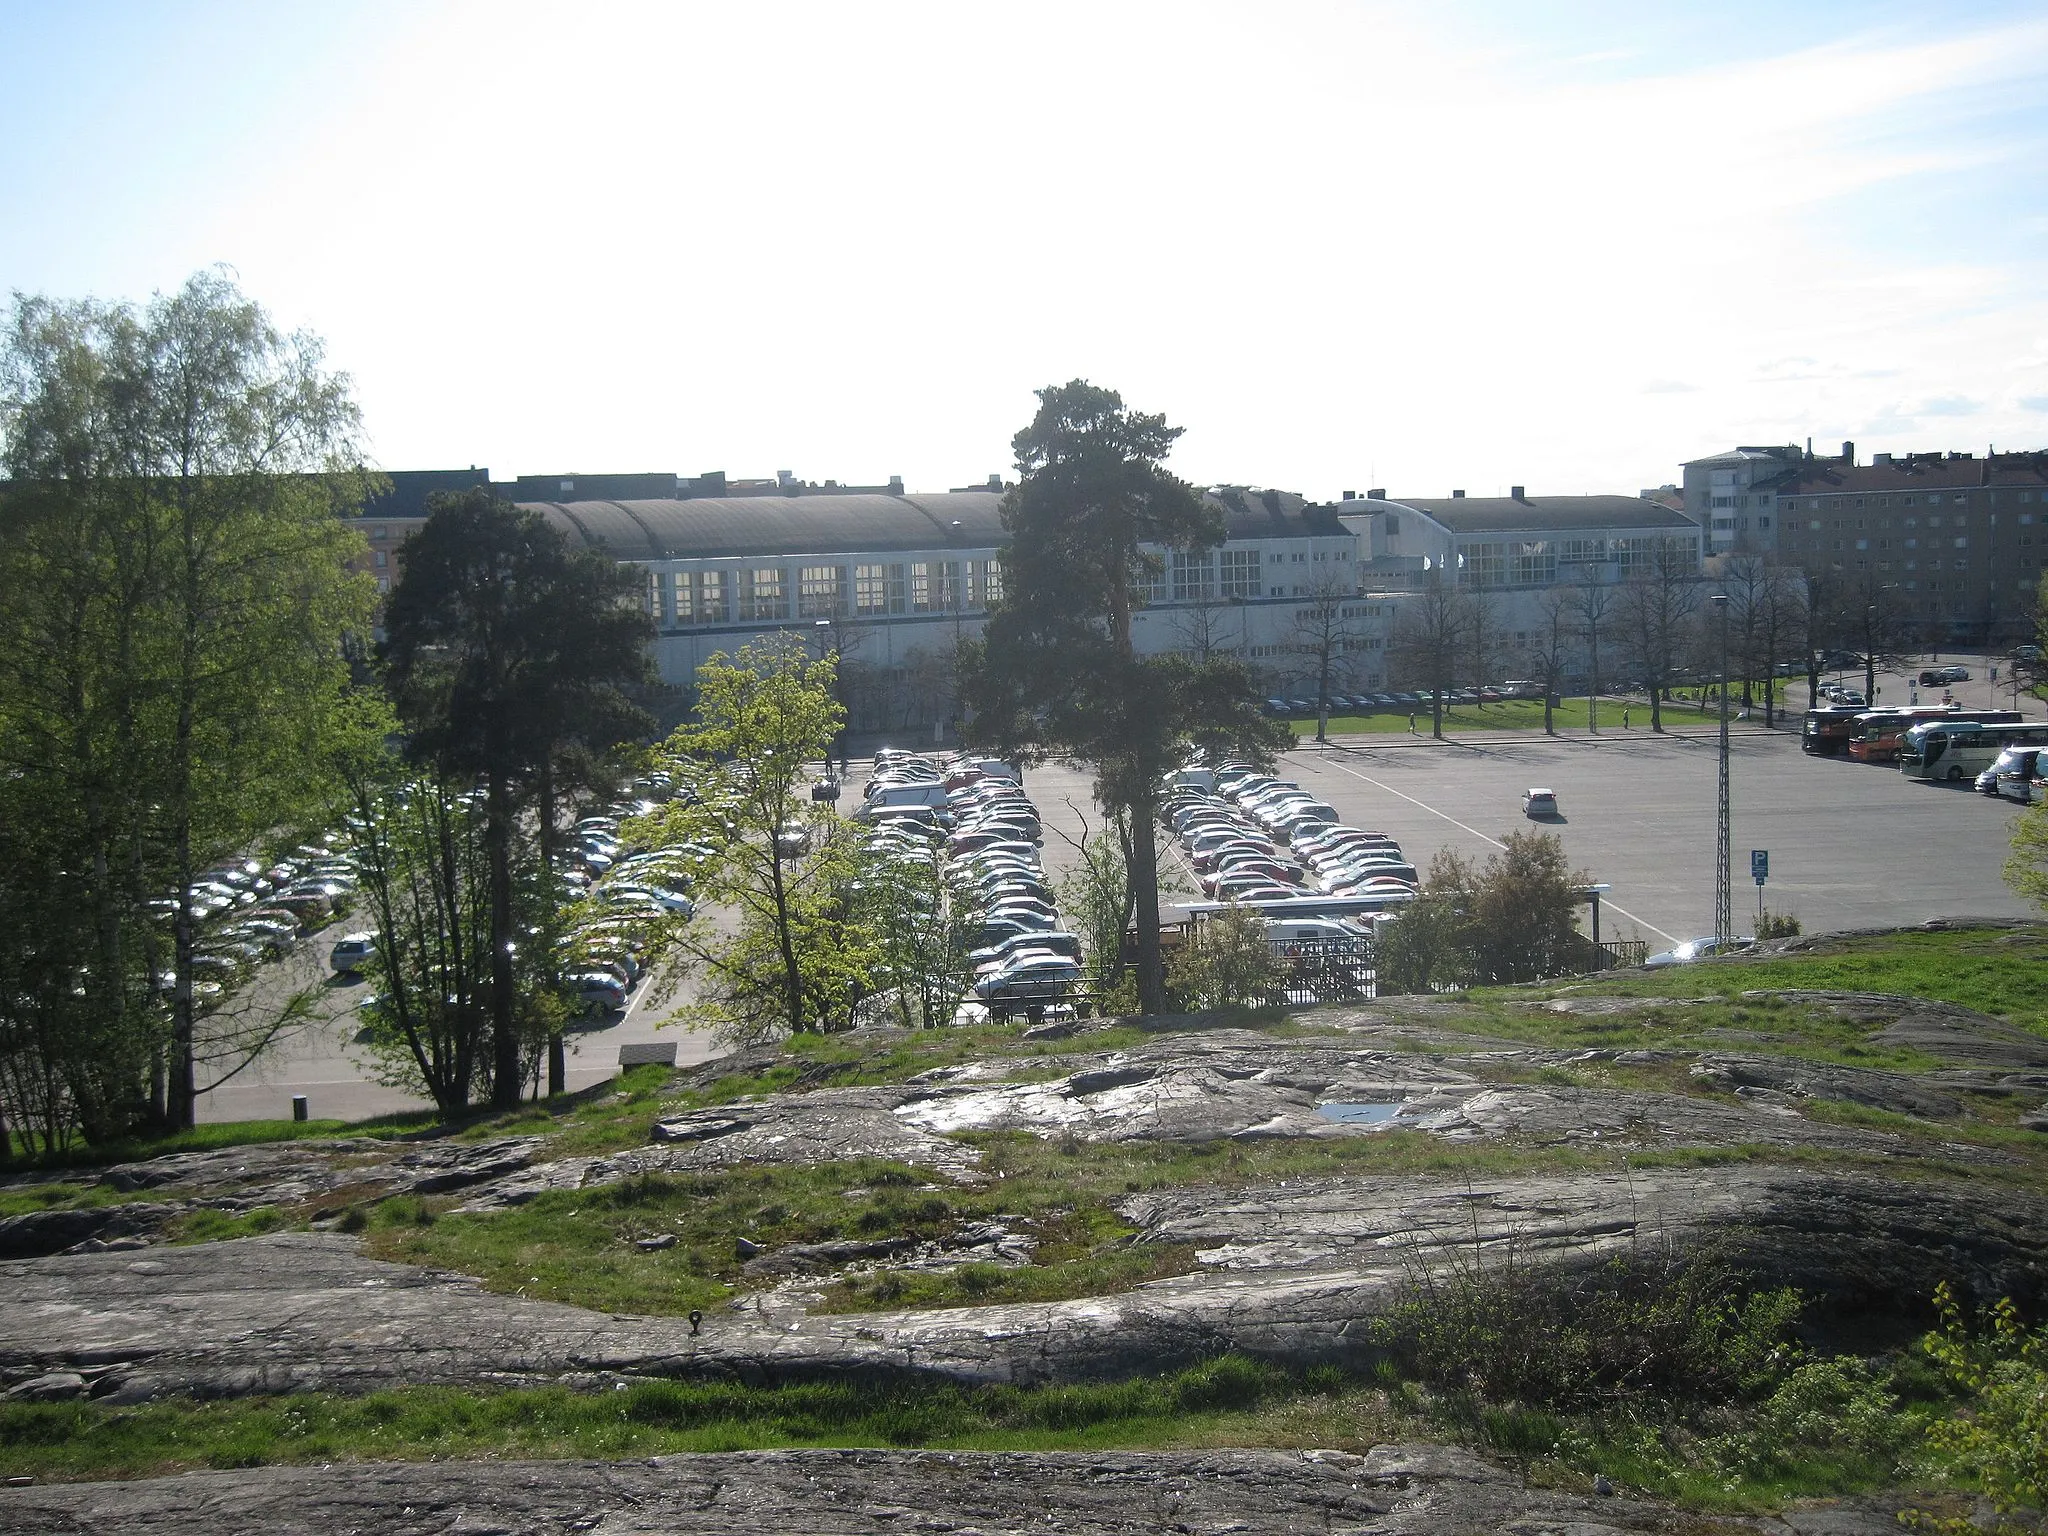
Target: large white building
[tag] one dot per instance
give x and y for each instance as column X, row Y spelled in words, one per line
column 893, row 581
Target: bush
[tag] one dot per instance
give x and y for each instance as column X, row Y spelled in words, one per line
column 2003, row 1369
column 1230, row 963
column 1571, row 1341
column 1777, row 925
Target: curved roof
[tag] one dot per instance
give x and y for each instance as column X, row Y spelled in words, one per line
column 713, row 527
column 1543, row 514
column 707, row 527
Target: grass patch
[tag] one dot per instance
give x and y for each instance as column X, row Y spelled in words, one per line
column 2000, row 972
column 1508, row 715
column 84, row 1440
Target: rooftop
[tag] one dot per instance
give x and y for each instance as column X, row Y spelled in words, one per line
column 1543, row 514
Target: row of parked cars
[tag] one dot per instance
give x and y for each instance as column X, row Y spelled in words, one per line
column 1252, row 838
column 249, row 912
column 604, row 954
column 973, row 815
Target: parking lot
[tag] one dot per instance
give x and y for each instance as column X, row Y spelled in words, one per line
column 1851, row 845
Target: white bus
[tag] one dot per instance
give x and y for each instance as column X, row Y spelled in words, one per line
column 1962, row 749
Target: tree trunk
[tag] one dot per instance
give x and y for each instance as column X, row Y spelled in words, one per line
column 1145, row 890
column 505, row 1073
column 558, row 1066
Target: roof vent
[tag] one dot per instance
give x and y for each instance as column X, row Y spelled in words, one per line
column 895, row 485
column 1881, row 460
column 1351, row 495
column 1849, row 454
column 784, row 476
column 995, row 482
column 1457, row 495
column 1518, row 493
column 1379, row 495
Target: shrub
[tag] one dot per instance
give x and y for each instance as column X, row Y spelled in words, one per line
column 2003, row 1368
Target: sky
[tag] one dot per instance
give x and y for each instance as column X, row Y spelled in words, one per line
column 1462, row 244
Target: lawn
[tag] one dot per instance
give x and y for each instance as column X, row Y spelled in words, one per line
column 1511, row 715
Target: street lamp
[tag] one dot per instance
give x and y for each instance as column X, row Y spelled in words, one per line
column 1724, row 899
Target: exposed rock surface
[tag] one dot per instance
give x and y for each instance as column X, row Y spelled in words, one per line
column 1796, row 1079
column 1395, row 1490
column 1294, row 1270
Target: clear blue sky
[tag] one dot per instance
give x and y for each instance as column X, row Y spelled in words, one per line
column 1421, row 246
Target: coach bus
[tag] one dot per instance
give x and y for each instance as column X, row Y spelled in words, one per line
column 1826, row 731
column 1874, row 735
column 1962, row 749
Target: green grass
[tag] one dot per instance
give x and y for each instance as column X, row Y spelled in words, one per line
column 1508, row 715
column 1996, row 972
column 1735, row 1460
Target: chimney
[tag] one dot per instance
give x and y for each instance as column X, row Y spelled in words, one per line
column 1378, row 495
column 895, row 485
column 1517, row 493
column 1457, row 495
column 995, row 482
column 1849, row 454
column 1881, row 461
column 1351, row 495
column 783, row 477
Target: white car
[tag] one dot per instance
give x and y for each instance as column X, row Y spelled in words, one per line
column 1539, row 804
column 350, row 951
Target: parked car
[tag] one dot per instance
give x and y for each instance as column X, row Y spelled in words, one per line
column 351, row 952
column 597, row 991
column 1539, row 804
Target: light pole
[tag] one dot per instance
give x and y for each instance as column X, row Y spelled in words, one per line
column 1724, row 919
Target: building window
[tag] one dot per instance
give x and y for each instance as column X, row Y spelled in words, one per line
column 1193, row 578
column 1238, row 572
column 713, row 592
column 870, row 589
column 383, row 559
column 984, row 583
column 818, row 592
column 921, row 587
column 385, row 533
column 761, row 594
column 383, row 583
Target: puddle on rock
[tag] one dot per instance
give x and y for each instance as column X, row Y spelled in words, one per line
column 1360, row 1114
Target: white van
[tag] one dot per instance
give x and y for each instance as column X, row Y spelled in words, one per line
column 1311, row 928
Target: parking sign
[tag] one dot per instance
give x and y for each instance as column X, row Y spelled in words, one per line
column 1759, row 864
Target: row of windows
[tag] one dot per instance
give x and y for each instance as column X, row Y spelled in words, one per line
column 755, row 594
column 1922, row 499
column 1535, row 563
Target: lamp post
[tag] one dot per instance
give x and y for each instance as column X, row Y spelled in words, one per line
column 1724, row 899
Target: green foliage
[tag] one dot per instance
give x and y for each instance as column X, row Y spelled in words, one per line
column 1098, row 903
column 1228, row 963
column 646, row 1418
column 2001, row 1366
column 798, row 957
column 1056, row 671
column 924, row 919
column 1510, row 1330
column 504, row 651
column 1778, row 925
column 173, row 603
column 1510, row 920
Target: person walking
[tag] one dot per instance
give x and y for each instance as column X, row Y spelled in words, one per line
column 1624, row 719
column 1411, row 722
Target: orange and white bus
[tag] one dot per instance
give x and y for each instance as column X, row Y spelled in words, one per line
column 1874, row 735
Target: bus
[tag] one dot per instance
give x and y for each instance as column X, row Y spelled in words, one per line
column 1826, row 731
column 1961, row 749
column 1874, row 735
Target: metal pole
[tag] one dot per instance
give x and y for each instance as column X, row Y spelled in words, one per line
column 1724, row 917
